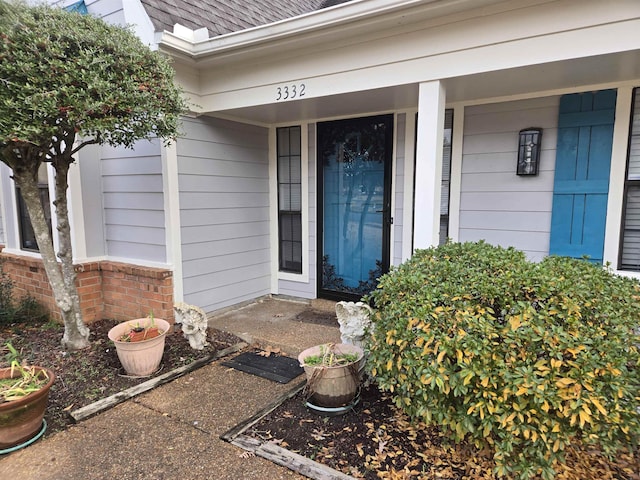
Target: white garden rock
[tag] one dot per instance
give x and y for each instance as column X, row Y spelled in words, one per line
column 194, row 324
column 354, row 320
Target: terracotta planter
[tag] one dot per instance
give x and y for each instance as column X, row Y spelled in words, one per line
column 334, row 386
column 21, row 419
column 140, row 358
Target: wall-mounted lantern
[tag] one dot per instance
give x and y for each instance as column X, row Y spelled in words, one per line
column 529, row 151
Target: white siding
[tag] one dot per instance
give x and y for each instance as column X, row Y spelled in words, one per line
column 307, row 289
column 497, row 205
column 398, row 189
column 223, row 170
column 134, row 202
column 109, row 10
column 2, row 240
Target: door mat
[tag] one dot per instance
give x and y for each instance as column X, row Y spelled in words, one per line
column 318, row 317
column 276, row 368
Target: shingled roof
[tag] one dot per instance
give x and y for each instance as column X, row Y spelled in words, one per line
column 226, row 16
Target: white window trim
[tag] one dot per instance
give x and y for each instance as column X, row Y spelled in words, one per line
column 74, row 199
column 613, row 227
column 277, row 275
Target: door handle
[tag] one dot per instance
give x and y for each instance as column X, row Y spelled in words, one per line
column 385, row 210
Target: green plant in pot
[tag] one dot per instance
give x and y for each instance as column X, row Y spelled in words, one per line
column 24, row 393
column 140, row 344
column 334, row 373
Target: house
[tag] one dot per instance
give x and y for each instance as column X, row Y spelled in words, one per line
column 328, row 140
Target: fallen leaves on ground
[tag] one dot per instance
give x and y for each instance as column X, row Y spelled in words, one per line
column 377, row 441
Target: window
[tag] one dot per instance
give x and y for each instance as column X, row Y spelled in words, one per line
column 630, row 241
column 446, row 176
column 27, row 237
column 289, row 155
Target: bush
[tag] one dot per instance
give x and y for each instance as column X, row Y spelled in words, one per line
column 27, row 309
column 524, row 358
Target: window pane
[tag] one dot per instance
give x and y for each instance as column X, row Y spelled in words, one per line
column 284, row 170
column 630, row 258
column 295, row 170
column 283, row 142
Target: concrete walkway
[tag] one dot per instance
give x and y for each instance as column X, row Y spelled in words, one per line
column 172, row 432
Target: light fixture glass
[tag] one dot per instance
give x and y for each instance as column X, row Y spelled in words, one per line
column 529, row 151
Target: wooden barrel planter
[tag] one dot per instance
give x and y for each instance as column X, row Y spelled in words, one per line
column 333, row 383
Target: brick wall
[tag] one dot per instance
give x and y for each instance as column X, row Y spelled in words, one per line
column 120, row 291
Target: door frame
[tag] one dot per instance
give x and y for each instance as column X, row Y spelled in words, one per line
column 387, row 219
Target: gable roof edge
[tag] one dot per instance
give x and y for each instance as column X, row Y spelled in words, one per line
column 335, row 16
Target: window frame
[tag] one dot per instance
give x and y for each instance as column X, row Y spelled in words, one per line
column 282, row 213
column 628, row 184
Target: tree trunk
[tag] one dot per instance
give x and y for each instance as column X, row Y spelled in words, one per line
column 65, row 292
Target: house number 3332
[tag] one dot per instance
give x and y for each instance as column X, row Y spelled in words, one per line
column 289, row 92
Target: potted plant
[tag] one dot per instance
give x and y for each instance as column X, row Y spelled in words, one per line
column 334, row 372
column 24, row 393
column 140, row 344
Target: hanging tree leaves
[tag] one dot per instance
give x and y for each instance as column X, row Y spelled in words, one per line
column 66, row 81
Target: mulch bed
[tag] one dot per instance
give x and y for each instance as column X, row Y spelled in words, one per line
column 376, row 441
column 89, row 375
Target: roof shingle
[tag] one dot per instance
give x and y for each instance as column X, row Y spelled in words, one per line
column 226, row 16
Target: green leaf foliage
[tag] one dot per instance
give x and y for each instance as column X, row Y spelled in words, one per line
column 520, row 357
column 64, row 74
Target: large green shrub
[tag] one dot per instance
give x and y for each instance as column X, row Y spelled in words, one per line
column 522, row 357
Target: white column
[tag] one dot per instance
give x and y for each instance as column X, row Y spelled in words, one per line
column 430, row 136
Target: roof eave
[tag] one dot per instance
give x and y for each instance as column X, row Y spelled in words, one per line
column 337, row 16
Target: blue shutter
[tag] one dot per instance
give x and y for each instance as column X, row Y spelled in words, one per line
column 581, row 184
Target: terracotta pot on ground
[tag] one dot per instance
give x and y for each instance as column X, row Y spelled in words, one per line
column 333, row 386
column 20, row 420
column 140, row 358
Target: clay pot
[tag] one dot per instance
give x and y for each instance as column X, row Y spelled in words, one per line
column 140, row 358
column 20, row 420
column 334, row 386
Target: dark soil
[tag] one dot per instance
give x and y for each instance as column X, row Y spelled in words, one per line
column 89, row 375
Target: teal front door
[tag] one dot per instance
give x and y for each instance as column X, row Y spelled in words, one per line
column 581, row 183
column 354, row 205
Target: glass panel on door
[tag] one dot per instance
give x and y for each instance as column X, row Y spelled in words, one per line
column 354, row 161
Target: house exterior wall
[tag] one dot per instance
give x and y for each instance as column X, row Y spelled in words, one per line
column 496, row 205
column 2, row 240
column 397, row 188
column 133, row 195
column 223, row 174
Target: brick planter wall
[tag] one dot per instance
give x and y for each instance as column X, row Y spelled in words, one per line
column 120, row 291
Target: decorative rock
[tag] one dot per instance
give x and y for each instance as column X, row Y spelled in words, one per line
column 194, row 324
column 354, row 321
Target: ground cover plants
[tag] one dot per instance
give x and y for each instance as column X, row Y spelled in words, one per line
column 526, row 360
